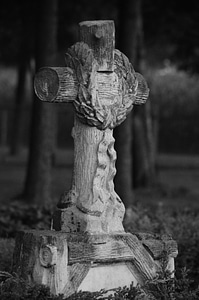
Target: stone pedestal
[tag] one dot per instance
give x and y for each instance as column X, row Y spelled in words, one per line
column 68, row 263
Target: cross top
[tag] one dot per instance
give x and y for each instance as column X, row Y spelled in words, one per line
column 102, row 85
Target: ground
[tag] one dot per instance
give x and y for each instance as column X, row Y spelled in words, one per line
column 13, row 170
column 177, row 187
column 178, row 177
column 178, row 182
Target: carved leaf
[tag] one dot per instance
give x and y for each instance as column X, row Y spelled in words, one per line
column 133, row 88
column 142, row 90
column 100, row 114
column 80, row 74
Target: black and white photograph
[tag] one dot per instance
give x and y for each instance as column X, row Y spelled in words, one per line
column 99, row 149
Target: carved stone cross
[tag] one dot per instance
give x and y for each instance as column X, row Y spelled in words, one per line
column 87, row 248
column 102, row 85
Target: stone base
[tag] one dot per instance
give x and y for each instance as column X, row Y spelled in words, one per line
column 107, row 276
column 68, row 263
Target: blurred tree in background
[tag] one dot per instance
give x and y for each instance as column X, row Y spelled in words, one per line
column 174, row 95
column 42, row 135
column 129, row 17
column 24, row 63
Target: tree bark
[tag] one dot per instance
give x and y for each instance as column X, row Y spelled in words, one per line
column 3, row 127
column 127, row 43
column 38, row 178
column 143, row 133
column 134, row 139
column 123, row 178
column 24, row 60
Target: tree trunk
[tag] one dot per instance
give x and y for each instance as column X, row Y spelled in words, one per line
column 18, row 121
column 3, row 127
column 123, row 179
column 143, row 142
column 134, row 139
column 38, row 178
column 127, row 43
column 24, row 60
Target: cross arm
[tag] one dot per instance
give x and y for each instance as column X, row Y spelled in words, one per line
column 56, row 84
column 98, row 79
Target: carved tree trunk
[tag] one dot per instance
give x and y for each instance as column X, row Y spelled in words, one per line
column 92, row 203
column 38, row 178
column 91, row 251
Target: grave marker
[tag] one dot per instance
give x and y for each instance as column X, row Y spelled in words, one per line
column 87, row 248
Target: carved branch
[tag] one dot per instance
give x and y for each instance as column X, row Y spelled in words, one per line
column 92, row 204
column 56, row 84
column 100, row 37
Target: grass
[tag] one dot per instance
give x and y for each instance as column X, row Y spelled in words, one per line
column 6, row 250
column 177, row 190
column 177, row 186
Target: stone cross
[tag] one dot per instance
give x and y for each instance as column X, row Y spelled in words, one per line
column 87, row 248
column 102, row 85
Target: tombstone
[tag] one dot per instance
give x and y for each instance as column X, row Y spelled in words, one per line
column 87, row 248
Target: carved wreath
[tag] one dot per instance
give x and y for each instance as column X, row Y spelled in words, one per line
column 90, row 111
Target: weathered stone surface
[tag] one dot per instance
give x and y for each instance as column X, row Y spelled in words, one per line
column 71, row 262
column 103, row 87
column 107, row 277
column 88, row 248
